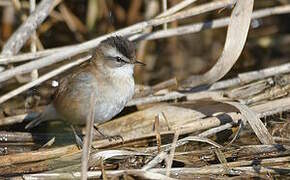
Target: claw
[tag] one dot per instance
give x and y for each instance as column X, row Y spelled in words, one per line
column 116, row 138
column 110, row 138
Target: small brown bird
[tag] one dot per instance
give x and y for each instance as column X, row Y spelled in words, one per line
column 109, row 75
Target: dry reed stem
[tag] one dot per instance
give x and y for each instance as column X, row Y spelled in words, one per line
column 104, row 176
column 168, row 84
column 154, row 99
column 12, row 119
column 256, row 124
column 164, row 7
column 215, row 130
column 157, row 131
column 176, row 8
column 172, row 151
column 88, row 137
column 34, row 73
column 251, row 76
column 155, row 161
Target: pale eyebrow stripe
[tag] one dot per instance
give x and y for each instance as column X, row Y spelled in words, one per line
column 113, row 52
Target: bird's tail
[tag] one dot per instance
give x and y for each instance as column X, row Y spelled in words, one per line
column 35, row 122
column 49, row 113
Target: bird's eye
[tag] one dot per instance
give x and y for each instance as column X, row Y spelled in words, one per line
column 119, row 59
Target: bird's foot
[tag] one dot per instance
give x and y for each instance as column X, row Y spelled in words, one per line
column 79, row 142
column 115, row 138
column 78, row 139
column 110, row 138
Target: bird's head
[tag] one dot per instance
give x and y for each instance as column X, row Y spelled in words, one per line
column 116, row 55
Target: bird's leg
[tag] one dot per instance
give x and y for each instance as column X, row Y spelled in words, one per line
column 79, row 141
column 110, row 138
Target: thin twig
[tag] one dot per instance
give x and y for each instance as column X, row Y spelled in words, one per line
column 34, row 73
column 152, row 99
column 171, row 83
column 157, row 131
column 252, row 76
column 171, row 155
column 176, row 8
column 215, row 130
column 88, row 137
column 156, row 160
column 164, row 7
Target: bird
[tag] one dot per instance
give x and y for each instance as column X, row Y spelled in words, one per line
column 108, row 74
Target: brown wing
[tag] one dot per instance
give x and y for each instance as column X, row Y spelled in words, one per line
column 68, row 79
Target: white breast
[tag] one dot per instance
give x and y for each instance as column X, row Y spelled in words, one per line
column 120, row 92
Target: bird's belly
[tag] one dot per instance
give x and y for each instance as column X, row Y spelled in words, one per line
column 108, row 103
column 107, row 110
column 113, row 103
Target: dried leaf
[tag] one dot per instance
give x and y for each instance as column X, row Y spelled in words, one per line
column 252, row 117
column 235, row 41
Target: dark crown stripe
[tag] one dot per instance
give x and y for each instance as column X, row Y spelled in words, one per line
column 123, row 45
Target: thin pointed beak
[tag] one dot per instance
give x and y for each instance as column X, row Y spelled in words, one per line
column 140, row 63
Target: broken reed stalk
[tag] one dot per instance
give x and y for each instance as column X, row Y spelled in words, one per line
column 172, row 151
column 157, row 131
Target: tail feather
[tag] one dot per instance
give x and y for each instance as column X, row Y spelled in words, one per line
column 49, row 113
column 34, row 122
